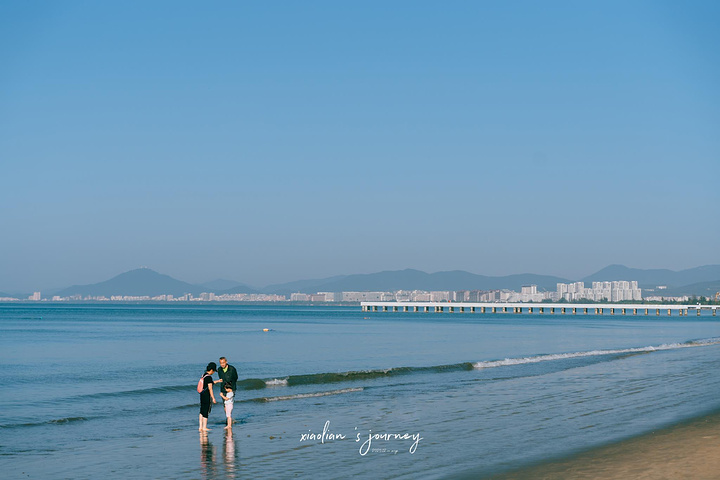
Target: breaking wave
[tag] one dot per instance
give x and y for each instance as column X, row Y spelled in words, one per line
column 592, row 353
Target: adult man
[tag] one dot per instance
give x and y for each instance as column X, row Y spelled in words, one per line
column 227, row 373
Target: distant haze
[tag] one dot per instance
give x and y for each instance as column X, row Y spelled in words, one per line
column 703, row 280
column 264, row 144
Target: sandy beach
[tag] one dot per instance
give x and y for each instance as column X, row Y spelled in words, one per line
column 689, row 450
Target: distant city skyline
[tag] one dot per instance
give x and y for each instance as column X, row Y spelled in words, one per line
column 608, row 291
column 11, row 288
column 144, row 279
column 265, row 143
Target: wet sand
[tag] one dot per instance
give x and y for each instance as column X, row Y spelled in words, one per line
column 690, row 450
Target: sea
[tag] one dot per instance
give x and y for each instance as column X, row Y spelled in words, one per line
column 109, row 391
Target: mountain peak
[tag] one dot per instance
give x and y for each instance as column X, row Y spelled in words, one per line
column 137, row 282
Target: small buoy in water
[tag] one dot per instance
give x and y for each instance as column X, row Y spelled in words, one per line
column 266, row 329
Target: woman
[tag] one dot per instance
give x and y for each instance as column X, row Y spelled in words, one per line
column 206, row 396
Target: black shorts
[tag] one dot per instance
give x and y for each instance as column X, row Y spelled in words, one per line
column 205, row 407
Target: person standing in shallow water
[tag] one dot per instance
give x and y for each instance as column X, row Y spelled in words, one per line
column 207, row 396
column 227, row 374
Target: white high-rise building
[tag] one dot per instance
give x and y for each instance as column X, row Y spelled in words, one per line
column 332, row 296
column 616, row 291
column 528, row 290
column 439, row 296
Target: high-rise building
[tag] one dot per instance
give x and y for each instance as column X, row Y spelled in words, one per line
column 460, row 296
column 616, row 291
column 529, row 290
column 331, row 296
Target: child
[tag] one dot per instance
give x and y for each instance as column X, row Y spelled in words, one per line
column 229, row 398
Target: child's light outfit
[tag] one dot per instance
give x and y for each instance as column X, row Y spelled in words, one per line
column 229, row 402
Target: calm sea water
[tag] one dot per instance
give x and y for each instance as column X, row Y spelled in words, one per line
column 109, row 391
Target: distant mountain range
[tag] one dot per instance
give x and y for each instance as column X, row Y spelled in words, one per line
column 144, row 281
column 703, row 280
column 654, row 277
column 222, row 284
column 410, row 279
column 141, row 281
column 704, row 289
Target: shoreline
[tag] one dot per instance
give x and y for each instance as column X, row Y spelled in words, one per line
column 688, row 449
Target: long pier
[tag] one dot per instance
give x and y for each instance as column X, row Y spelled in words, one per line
column 539, row 308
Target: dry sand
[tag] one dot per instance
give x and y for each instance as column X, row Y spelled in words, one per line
column 686, row 451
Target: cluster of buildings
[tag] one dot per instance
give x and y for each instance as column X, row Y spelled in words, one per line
column 188, row 297
column 616, row 291
column 664, row 299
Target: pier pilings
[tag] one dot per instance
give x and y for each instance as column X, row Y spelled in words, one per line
column 537, row 308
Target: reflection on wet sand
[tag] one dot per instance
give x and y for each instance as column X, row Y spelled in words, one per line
column 230, row 455
column 207, row 457
column 208, row 466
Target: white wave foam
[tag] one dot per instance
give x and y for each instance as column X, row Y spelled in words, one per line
column 592, row 353
column 276, row 382
column 315, row 394
column 705, row 341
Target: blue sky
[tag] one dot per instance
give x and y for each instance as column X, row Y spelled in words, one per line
column 272, row 141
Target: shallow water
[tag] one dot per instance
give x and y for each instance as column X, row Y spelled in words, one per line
column 97, row 390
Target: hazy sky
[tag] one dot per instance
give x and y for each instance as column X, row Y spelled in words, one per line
column 272, row 141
